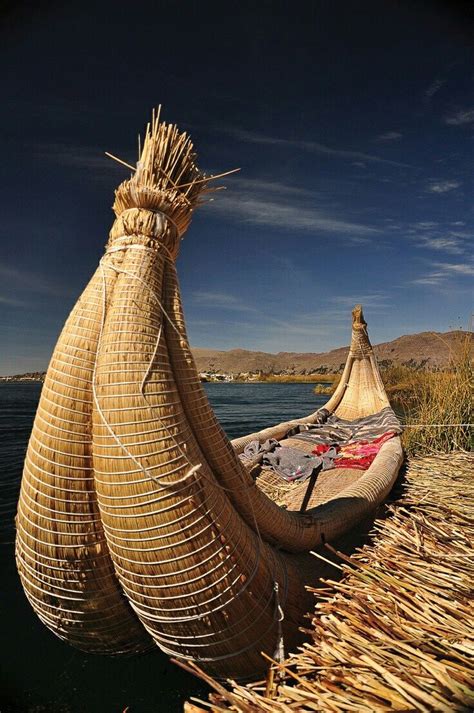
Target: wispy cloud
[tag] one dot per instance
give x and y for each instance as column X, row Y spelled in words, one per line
column 443, row 272
column 222, row 300
column 258, row 185
column 434, row 88
column 307, row 146
column 432, row 235
column 426, row 224
column 460, row 117
column 448, row 244
column 455, row 268
column 372, row 300
column 389, row 136
column 263, row 203
column 11, row 302
column 27, row 281
column 442, row 186
column 83, row 157
column 261, row 329
column 432, row 279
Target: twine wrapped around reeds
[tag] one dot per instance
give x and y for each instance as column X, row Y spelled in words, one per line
column 161, row 507
column 61, row 552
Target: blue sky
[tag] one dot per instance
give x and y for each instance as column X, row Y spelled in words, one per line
column 353, row 124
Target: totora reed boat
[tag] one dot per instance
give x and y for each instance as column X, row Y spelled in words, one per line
column 139, row 522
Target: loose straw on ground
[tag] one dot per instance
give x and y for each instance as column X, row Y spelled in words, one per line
column 396, row 632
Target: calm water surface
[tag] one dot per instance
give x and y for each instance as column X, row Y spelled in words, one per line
column 41, row 674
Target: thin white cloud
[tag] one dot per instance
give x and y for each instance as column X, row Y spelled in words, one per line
column 91, row 158
column 442, row 186
column 258, row 185
column 389, row 136
column 26, row 281
column 263, row 203
column 221, row 300
column 307, row 146
column 455, row 268
column 11, row 302
column 434, row 88
column 433, row 279
column 372, row 300
column 460, row 117
column 440, row 237
column 275, row 214
column 426, row 224
column 443, row 274
column 447, row 244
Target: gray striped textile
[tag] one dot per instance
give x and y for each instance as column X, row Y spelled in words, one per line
column 336, row 430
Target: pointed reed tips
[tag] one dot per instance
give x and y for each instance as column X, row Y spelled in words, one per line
column 119, row 160
column 358, row 316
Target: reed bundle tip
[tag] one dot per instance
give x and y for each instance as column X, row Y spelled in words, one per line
column 166, row 178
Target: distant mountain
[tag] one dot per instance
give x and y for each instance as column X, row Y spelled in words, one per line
column 430, row 350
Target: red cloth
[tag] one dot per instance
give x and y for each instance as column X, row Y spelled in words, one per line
column 323, row 447
column 358, row 454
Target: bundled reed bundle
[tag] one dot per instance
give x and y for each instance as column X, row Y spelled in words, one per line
column 62, row 555
column 137, row 521
column 200, row 579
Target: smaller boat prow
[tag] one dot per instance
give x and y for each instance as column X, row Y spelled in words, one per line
column 357, row 414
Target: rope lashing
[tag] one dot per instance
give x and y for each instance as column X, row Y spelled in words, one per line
column 279, row 613
column 156, row 211
column 279, row 654
column 193, row 467
column 438, row 425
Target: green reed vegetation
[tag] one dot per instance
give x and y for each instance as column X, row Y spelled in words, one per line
column 434, row 398
column 435, row 404
column 298, row 378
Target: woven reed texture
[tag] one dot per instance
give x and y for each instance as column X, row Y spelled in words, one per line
column 62, row 556
column 395, row 633
column 195, row 573
column 173, row 519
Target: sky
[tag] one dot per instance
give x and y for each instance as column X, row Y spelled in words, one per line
column 353, row 126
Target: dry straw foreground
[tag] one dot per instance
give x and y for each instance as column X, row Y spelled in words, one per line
column 395, row 634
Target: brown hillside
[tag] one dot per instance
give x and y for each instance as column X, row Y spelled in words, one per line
column 430, row 350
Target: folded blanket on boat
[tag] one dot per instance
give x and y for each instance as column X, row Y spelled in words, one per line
column 361, row 454
column 293, row 464
column 338, row 431
column 290, row 463
column 255, row 448
column 357, row 454
column 338, row 444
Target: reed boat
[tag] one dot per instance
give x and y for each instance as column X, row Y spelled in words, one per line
column 139, row 523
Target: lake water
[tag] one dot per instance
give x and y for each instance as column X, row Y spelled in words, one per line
column 38, row 672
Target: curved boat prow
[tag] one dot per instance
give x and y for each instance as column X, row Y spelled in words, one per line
column 360, row 391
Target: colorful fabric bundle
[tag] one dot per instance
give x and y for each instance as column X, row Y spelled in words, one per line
column 358, row 454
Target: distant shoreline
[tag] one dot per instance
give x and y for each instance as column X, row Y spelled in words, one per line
column 253, row 379
column 23, row 378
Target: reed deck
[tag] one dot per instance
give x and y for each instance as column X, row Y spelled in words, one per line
column 395, row 632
